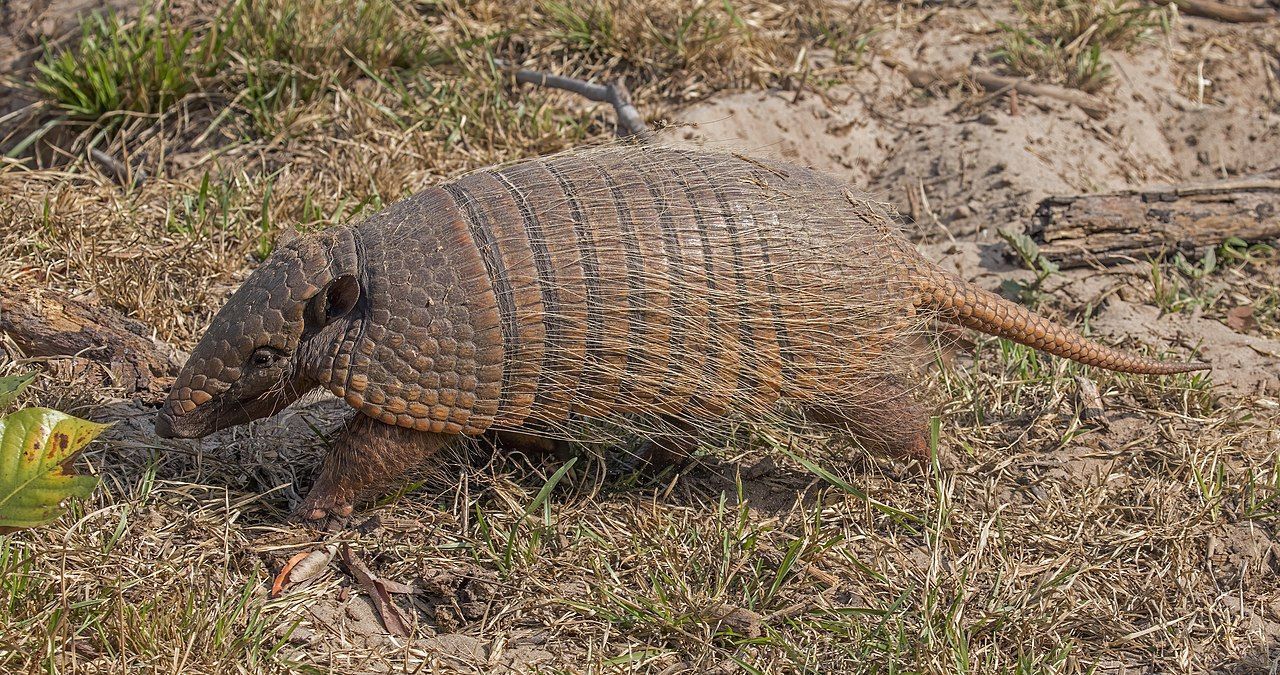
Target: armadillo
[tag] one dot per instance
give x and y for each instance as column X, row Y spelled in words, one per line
column 639, row 283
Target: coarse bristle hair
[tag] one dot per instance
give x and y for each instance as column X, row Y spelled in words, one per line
column 721, row 290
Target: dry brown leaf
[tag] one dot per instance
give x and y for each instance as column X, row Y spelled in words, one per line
column 277, row 586
column 311, row 566
column 376, row 589
column 1240, row 319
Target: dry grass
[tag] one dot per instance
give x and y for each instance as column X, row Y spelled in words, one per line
column 1038, row 542
column 1065, row 41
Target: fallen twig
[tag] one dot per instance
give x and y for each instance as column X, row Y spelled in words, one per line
column 1092, row 105
column 615, row 94
column 1220, row 11
column 123, row 173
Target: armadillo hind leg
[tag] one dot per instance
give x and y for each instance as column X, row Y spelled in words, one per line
column 532, row 441
column 368, row 454
column 883, row 414
column 669, row 450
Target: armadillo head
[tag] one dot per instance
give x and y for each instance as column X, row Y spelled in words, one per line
column 253, row 360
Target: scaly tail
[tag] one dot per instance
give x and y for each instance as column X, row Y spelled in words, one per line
column 959, row 302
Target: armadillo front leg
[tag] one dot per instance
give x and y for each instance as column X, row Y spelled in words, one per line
column 367, row 454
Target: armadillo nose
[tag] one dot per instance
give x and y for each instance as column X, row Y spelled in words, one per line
column 164, row 425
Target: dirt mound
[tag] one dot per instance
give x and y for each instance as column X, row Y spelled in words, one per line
column 1244, row 365
column 846, row 142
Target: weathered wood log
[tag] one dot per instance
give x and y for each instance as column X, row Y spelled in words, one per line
column 45, row 323
column 1128, row 225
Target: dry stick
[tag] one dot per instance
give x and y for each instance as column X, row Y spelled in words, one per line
column 1222, row 12
column 1091, row 407
column 119, row 170
column 804, row 78
column 615, row 94
column 1092, row 105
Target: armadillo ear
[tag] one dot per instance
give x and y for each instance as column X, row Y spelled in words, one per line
column 340, row 297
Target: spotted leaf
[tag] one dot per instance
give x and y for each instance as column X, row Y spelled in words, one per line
column 36, row 449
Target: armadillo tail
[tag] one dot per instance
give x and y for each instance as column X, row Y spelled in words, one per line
column 962, row 303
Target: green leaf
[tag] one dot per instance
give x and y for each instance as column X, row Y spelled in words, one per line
column 1210, row 262
column 36, row 448
column 1024, row 246
column 13, row 385
column 549, row 486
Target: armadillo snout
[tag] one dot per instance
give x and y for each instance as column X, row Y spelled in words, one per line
column 170, row 426
column 164, row 425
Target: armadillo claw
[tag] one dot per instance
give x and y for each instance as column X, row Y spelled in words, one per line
column 917, row 448
column 325, row 512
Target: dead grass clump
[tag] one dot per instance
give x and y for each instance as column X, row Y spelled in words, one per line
column 286, row 53
column 676, row 50
column 320, row 38
column 262, row 73
column 101, row 596
column 1211, row 68
column 1065, row 41
column 161, row 258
